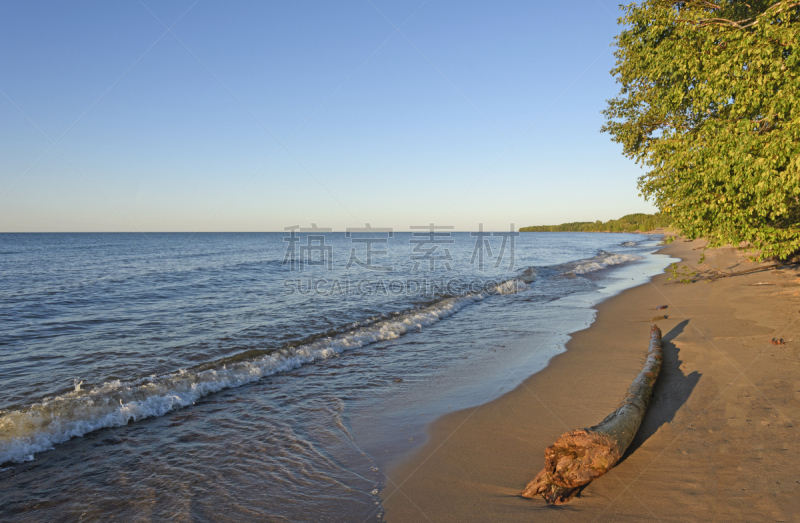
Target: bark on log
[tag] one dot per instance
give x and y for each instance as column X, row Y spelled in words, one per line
column 580, row 456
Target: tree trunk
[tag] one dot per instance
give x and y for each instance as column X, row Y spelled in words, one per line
column 580, row 456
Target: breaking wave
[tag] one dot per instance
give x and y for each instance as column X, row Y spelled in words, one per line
column 603, row 260
column 40, row 427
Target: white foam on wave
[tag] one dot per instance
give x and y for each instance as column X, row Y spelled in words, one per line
column 510, row 286
column 603, row 261
column 40, row 427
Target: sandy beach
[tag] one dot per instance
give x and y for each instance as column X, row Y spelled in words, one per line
column 719, row 441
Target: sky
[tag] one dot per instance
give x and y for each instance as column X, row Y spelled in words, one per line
column 205, row 116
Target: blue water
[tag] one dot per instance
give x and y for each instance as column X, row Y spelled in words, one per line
column 206, row 376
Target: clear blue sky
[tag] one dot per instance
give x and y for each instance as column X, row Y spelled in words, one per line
column 470, row 112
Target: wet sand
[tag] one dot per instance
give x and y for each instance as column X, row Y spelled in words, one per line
column 719, row 441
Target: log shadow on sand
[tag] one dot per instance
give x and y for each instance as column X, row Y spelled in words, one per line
column 671, row 392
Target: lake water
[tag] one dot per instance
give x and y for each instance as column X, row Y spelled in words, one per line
column 272, row 376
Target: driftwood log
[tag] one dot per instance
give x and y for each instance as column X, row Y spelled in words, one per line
column 580, row 456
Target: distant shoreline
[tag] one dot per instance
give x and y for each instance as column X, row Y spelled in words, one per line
column 630, row 223
column 654, row 231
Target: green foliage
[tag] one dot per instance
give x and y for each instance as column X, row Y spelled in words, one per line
column 710, row 105
column 628, row 223
column 683, row 274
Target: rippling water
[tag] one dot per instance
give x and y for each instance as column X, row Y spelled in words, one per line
column 199, row 377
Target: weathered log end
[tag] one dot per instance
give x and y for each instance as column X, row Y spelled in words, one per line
column 542, row 485
column 574, row 460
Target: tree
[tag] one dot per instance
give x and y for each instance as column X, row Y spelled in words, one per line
column 710, row 105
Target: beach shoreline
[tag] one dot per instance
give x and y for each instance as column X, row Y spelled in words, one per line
column 715, row 444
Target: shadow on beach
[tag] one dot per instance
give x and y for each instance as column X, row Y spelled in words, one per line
column 671, row 392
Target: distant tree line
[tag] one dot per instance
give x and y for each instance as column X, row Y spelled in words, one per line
column 628, row 223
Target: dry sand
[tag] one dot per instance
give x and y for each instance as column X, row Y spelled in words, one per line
column 719, row 441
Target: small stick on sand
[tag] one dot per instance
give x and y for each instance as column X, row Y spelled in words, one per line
column 580, row 456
